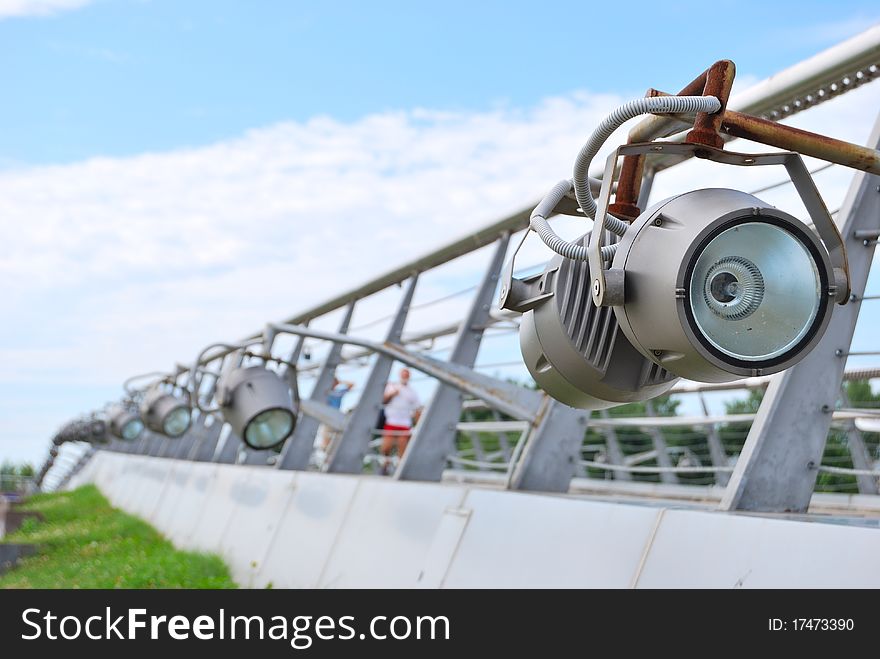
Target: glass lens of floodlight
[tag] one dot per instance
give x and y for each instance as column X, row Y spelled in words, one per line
column 755, row 291
column 176, row 422
column 268, row 428
column 132, row 429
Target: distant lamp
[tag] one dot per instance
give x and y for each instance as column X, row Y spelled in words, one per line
column 165, row 413
column 125, row 423
column 95, row 431
column 258, row 405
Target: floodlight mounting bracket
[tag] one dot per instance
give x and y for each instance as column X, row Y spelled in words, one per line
column 607, row 286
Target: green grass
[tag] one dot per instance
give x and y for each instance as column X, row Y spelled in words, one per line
column 86, row 543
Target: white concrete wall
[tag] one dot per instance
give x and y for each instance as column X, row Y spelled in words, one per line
column 307, row 530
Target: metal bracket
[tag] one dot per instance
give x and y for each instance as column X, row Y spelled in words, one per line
column 603, row 283
column 521, row 295
column 525, row 294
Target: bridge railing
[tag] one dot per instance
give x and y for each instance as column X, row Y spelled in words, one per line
column 483, row 417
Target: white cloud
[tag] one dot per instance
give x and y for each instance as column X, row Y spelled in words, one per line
column 11, row 8
column 211, row 242
column 117, row 266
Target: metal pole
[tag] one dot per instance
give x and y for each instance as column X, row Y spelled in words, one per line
column 228, row 453
column 293, row 358
column 232, row 444
column 777, row 469
column 347, row 455
column 142, row 444
column 613, row 451
column 716, row 447
column 660, row 447
column 514, row 400
column 186, row 443
column 157, row 445
column 169, row 447
column 503, row 440
column 474, row 437
column 547, row 462
column 645, row 190
column 434, row 437
column 859, row 452
column 205, row 449
column 202, row 449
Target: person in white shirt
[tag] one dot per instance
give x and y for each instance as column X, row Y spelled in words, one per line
column 402, row 410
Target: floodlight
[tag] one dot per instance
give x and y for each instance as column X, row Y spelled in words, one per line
column 165, row 413
column 257, row 404
column 711, row 285
column 125, row 422
column 95, row 431
column 720, row 285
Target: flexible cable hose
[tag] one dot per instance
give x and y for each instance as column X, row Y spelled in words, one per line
column 581, row 181
column 539, row 224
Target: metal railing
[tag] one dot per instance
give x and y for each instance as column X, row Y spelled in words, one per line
column 477, row 425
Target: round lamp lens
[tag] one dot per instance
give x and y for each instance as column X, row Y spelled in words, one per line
column 755, row 291
column 176, row 422
column 269, row 428
column 132, row 429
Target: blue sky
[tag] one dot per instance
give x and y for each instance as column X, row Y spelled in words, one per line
column 177, row 173
column 119, row 77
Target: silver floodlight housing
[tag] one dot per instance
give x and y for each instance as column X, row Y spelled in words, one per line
column 94, row 430
column 260, row 406
column 257, row 404
column 711, row 285
column 165, row 413
column 124, row 421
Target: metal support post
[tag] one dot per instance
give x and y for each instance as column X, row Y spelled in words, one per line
column 859, row 452
column 434, row 437
column 206, row 435
column 613, row 452
column 169, row 447
column 232, row 444
column 716, row 447
column 185, row 444
column 777, row 469
column 142, row 444
column 157, row 444
column 347, row 455
column 204, row 449
column 659, row 441
column 503, row 439
column 552, row 448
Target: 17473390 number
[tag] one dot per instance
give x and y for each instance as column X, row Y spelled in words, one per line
column 810, row 624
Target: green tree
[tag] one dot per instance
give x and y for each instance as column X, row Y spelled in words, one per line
column 634, row 441
column 733, row 435
column 12, row 475
column 837, row 451
column 8, row 473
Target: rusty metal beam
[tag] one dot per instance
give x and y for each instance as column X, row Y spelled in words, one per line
column 802, row 141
